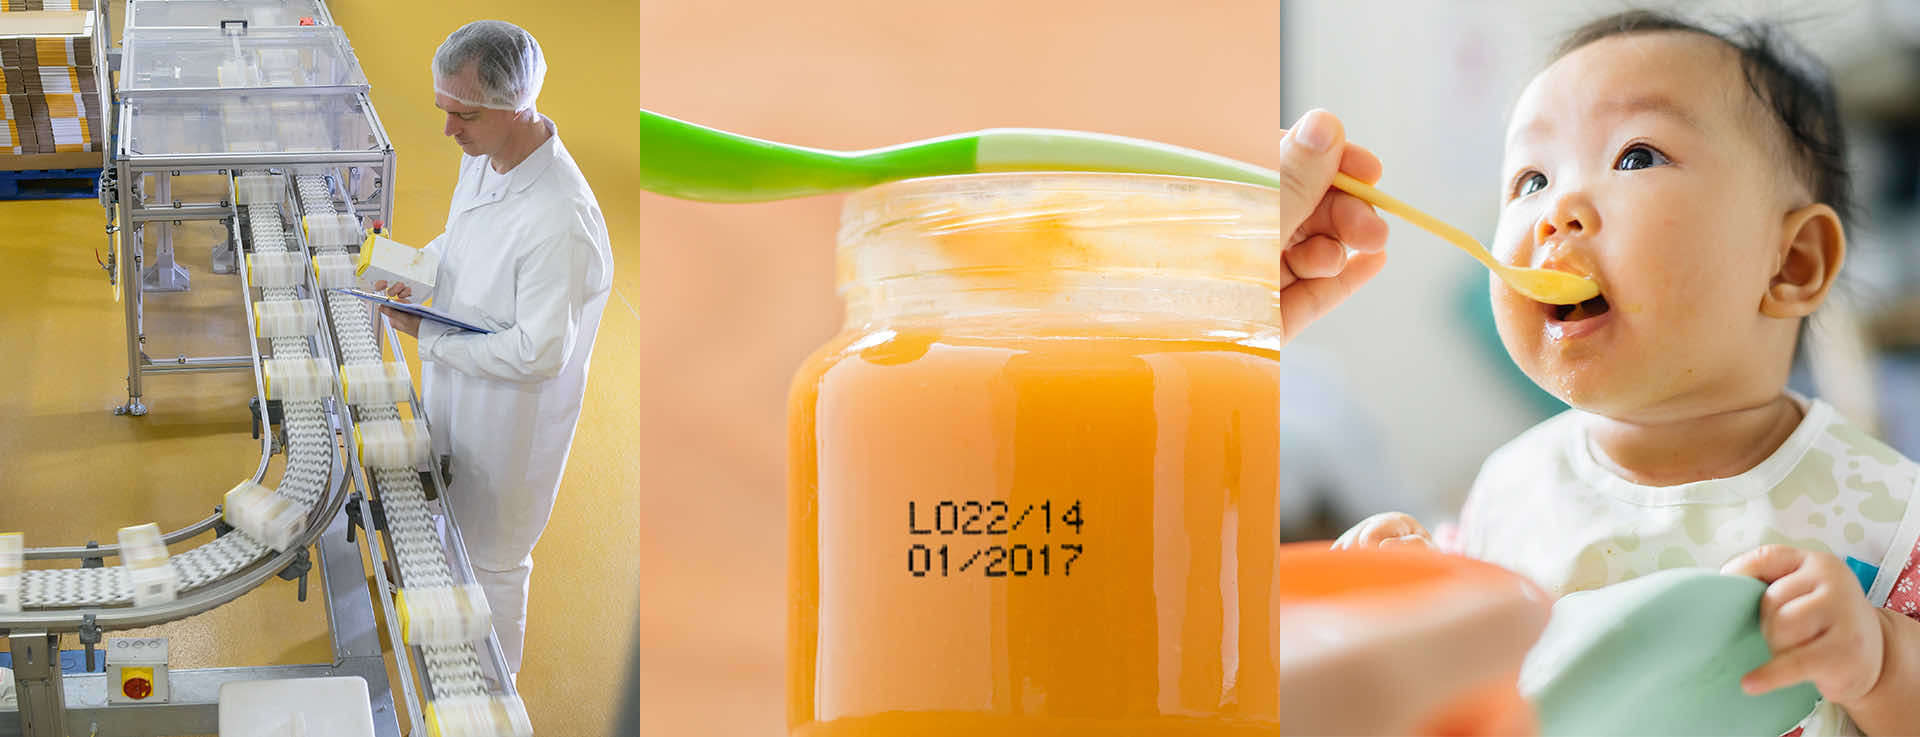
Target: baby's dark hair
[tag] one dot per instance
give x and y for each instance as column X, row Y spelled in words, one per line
column 1788, row 81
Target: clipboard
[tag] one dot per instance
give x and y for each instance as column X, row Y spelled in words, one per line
column 412, row 309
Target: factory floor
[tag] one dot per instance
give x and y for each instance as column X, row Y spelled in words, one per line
column 71, row 471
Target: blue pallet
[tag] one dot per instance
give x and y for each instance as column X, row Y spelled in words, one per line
column 71, row 661
column 44, row 184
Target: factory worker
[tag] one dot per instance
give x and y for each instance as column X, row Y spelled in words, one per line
column 525, row 255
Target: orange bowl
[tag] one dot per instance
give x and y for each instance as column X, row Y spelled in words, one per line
column 1311, row 571
column 1377, row 595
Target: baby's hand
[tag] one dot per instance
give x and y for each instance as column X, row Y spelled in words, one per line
column 1818, row 624
column 1385, row 530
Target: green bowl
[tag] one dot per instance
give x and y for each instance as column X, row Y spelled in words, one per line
column 1658, row 655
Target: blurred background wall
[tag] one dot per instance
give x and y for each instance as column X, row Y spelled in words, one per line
column 734, row 297
column 1409, row 376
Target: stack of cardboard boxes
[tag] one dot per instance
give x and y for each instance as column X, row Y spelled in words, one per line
column 51, row 102
column 16, row 6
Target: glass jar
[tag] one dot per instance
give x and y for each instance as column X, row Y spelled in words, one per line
column 1034, row 480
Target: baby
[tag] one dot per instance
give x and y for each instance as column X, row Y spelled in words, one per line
column 1699, row 179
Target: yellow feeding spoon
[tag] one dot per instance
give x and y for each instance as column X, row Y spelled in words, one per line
column 1545, row 285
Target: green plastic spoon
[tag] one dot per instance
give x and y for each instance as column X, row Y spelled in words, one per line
column 694, row 162
column 681, row 159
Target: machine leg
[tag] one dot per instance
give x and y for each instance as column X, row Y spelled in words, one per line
column 37, row 680
column 133, row 406
column 226, row 256
column 164, row 275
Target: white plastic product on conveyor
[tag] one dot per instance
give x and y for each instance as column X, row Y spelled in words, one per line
column 392, row 443
column 479, row 716
column 331, row 230
column 297, row 379
column 285, row 318
column 259, row 189
column 333, row 270
column 13, row 551
column 444, row 615
column 270, row 518
column 275, row 269
column 386, row 382
column 144, row 556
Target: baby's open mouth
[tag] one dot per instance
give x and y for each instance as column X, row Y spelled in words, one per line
column 1576, row 312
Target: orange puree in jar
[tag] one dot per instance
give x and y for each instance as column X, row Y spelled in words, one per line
column 1036, row 492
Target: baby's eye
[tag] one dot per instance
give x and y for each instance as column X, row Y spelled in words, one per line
column 1640, row 157
column 1529, row 183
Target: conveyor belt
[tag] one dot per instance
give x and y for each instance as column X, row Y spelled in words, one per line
column 417, row 549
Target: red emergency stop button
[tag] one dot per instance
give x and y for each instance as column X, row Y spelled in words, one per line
column 136, row 683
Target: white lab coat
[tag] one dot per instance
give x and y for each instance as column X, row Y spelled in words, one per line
column 525, row 254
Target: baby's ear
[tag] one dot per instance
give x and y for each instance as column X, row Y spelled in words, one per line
column 1812, row 245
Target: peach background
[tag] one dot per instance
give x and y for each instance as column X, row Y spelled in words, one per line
column 733, row 297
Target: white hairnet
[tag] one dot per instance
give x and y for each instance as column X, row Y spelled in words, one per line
column 507, row 63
